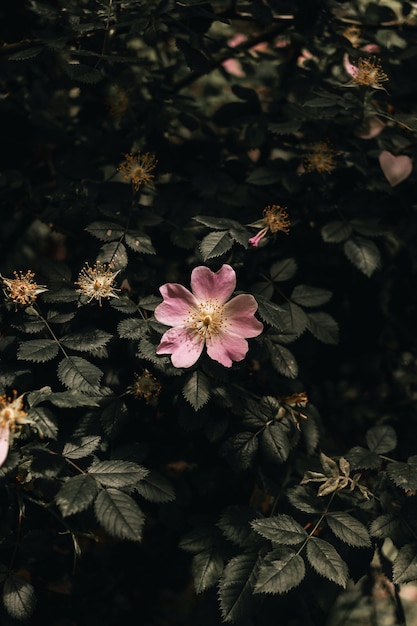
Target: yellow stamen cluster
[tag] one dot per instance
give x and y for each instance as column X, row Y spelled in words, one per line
column 321, row 158
column 208, row 319
column 276, row 219
column 369, row 73
column 137, row 168
column 96, row 282
column 145, row 386
column 22, row 289
column 11, row 411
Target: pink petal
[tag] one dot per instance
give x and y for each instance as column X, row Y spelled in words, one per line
column 349, row 67
column 239, row 314
column 372, row 127
column 4, row 443
column 206, row 284
column 226, row 348
column 177, row 303
column 395, row 168
column 184, row 346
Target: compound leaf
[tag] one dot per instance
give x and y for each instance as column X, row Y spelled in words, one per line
column 281, row 571
column 76, row 494
column 280, row 529
column 326, row 561
column 348, row 529
column 119, row 514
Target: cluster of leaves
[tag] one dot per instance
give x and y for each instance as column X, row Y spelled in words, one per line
column 266, row 477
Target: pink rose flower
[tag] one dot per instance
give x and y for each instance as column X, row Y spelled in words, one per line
column 203, row 316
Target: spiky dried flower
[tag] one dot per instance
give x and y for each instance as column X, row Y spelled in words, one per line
column 368, row 73
column 137, row 168
column 96, row 282
column 145, row 386
column 22, row 289
column 275, row 220
column 321, row 158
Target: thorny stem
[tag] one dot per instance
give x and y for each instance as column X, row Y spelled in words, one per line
column 106, row 33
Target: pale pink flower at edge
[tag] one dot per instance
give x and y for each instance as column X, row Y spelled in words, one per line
column 205, row 316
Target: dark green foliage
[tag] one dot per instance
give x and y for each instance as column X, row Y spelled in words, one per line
column 141, row 140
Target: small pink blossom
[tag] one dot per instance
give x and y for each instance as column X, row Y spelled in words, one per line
column 395, row 168
column 206, row 316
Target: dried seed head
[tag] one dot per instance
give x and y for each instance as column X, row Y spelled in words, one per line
column 137, row 168
column 320, row 158
column 96, row 282
column 145, row 386
column 276, row 219
column 22, row 289
column 369, row 73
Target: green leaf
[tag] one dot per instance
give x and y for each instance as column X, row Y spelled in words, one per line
column 196, row 390
column 207, row 568
column 237, row 585
column 83, row 73
column 270, row 312
column 336, row 232
column 139, row 242
column 132, row 328
column 304, row 499
column 404, row 475
column 323, row 327
column 405, row 565
column 154, row 487
column 18, row 597
column 240, row 449
column 27, row 53
column 364, row 255
column 282, row 359
column 217, row 223
column 280, row 529
column 362, row 458
column 294, row 318
column 44, row 422
column 215, row 244
column 275, row 444
column 305, row 295
column 71, row 399
column 76, row 373
column 348, row 529
column 115, row 254
column 235, row 525
column 384, row 526
column 381, row 439
column 83, row 447
column 119, row 514
column 87, row 341
column 117, row 473
column 281, row 571
column 198, row 540
column 76, row 494
column 37, row 350
column 105, row 231
column 283, row 270
column 326, row 561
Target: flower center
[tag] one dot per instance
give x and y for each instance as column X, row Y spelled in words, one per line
column 207, row 319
